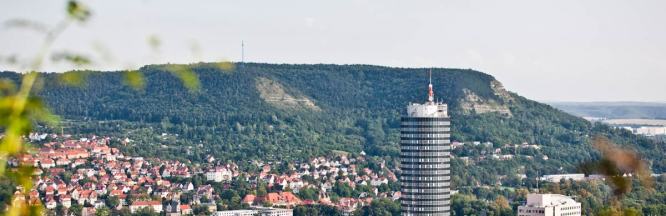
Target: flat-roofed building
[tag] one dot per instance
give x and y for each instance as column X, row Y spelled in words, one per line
column 549, row 205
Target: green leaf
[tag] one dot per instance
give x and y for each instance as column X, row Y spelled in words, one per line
column 7, row 87
column 226, row 66
column 26, row 24
column 39, row 112
column 186, row 75
column 73, row 78
column 154, row 42
column 77, row 11
column 75, row 59
column 134, row 79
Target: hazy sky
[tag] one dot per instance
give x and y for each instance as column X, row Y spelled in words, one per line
column 561, row 50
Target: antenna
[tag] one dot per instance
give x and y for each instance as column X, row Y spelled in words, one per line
column 242, row 51
column 431, row 94
column 430, row 76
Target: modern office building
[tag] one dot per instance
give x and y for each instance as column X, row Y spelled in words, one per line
column 549, row 205
column 424, row 155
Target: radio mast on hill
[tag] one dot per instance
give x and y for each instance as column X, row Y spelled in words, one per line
column 242, row 51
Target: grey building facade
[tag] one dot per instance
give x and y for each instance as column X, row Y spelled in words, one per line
column 424, row 159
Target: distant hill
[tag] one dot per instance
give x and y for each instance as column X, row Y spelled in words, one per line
column 292, row 112
column 614, row 110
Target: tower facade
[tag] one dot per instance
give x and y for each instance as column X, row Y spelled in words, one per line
column 424, row 158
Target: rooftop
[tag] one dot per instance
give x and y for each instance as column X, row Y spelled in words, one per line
column 547, row 200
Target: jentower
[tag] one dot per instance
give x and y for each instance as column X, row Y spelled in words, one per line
column 424, row 155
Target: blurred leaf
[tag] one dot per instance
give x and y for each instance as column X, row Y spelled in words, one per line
column 134, row 79
column 3, row 163
column 21, row 207
column 19, row 109
column 73, row 78
column 226, row 66
column 10, row 60
column 11, row 143
column 77, row 11
column 39, row 112
column 615, row 163
column 26, row 24
column 18, row 208
column 7, row 87
column 75, row 59
column 39, row 85
column 185, row 74
column 195, row 49
column 103, row 51
column 17, row 113
column 23, row 176
column 154, row 42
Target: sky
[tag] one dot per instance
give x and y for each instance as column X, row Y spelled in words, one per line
column 560, row 50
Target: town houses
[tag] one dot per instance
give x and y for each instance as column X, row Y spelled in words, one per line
column 90, row 174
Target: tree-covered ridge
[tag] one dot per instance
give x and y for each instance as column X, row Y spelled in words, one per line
column 360, row 108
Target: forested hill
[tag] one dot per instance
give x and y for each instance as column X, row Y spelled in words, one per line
column 279, row 111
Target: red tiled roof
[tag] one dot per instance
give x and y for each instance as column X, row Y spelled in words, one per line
column 249, row 198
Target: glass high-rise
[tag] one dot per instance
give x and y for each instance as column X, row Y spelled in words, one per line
column 424, row 158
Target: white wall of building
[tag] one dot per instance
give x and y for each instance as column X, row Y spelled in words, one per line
column 549, row 204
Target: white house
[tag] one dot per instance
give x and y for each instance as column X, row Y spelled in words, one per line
column 219, row 174
column 549, row 204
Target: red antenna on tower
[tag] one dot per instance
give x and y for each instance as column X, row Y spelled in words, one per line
column 431, row 94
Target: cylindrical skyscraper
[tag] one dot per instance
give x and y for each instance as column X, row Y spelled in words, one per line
column 424, row 159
